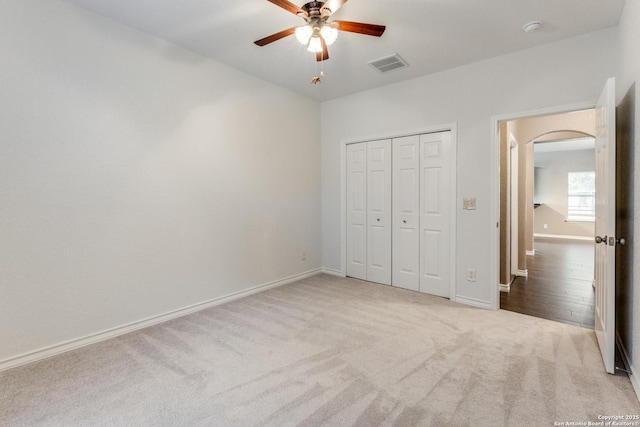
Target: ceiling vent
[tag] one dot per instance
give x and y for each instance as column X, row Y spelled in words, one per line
column 388, row 63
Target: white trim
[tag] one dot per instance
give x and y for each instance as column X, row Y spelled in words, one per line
column 512, row 226
column 343, row 207
column 579, row 106
column 563, row 236
column 399, row 134
column 635, row 382
column 494, row 217
column 531, row 253
column 522, row 273
column 507, row 287
column 453, row 174
column 76, row 343
column 494, row 196
column 473, row 302
column 332, row 272
column 453, row 205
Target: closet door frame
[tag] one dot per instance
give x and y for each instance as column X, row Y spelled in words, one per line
column 452, row 127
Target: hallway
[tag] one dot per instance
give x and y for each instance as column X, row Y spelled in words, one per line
column 559, row 283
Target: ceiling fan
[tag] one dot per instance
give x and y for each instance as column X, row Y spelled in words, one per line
column 317, row 33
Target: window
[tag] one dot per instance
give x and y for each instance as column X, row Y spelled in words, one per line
column 581, row 196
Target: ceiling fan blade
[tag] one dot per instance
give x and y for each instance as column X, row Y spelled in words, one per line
column 275, row 37
column 360, row 28
column 288, row 6
column 333, row 5
column 324, row 55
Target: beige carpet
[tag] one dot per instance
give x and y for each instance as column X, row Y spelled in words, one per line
column 326, row 351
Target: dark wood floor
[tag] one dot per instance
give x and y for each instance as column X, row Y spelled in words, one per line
column 559, row 284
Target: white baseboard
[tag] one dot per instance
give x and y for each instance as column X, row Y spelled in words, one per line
column 562, row 236
column 332, row 272
column 507, row 287
column 635, row 382
column 531, row 253
column 73, row 344
column 522, row 273
column 473, row 302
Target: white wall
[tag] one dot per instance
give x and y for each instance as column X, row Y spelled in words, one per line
column 551, row 189
column 628, row 91
column 567, row 72
column 137, row 178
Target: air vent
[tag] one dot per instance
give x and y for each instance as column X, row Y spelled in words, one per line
column 388, row 63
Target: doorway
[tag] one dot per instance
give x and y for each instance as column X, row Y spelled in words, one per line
column 546, row 228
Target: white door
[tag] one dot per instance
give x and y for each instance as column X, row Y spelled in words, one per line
column 379, row 211
column 435, row 213
column 406, row 212
column 356, row 210
column 605, row 224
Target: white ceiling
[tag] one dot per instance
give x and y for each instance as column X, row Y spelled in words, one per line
column 431, row 35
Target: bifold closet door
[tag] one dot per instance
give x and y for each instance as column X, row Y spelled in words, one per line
column 357, row 210
column 398, row 227
column 435, row 215
column 379, row 211
column 369, row 211
column 406, row 212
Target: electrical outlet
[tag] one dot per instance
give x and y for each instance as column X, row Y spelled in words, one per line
column 303, row 255
column 546, row 226
column 471, row 275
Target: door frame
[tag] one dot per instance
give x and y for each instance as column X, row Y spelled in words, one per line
column 513, row 229
column 494, row 244
column 453, row 172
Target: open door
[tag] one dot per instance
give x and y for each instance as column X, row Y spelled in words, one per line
column 605, row 248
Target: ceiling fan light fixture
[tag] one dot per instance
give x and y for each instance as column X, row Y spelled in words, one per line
column 318, row 33
column 303, row 34
column 315, row 45
column 329, row 34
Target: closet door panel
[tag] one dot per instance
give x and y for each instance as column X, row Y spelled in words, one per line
column 406, row 209
column 379, row 211
column 356, row 228
column 434, row 214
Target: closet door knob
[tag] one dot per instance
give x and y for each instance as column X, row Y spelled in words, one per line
column 378, row 219
column 404, row 221
column 601, row 239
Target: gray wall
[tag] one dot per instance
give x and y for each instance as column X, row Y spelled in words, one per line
column 550, row 189
column 138, row 178
column 568, row 72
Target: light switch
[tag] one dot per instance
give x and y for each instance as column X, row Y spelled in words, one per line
column 469, row 203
